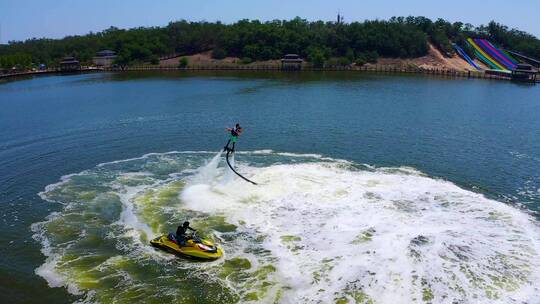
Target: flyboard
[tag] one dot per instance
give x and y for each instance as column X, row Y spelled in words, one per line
column 232, row 168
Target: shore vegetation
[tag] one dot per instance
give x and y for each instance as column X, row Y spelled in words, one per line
column 254, row 40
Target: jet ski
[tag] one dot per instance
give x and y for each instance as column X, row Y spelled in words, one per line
column 195, row 247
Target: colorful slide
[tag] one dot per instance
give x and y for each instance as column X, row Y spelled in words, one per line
column 462, row 53
column 514, row 60
column 482, row 55
column 496, row 54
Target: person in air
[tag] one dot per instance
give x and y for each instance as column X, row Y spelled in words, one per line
column 181, row 236
column 235, row 132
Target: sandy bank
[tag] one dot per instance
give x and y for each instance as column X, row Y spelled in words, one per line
column 433, row 60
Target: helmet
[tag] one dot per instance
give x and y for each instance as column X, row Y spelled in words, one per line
column 186, row 224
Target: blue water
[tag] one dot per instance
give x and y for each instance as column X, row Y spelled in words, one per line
column 481, row 135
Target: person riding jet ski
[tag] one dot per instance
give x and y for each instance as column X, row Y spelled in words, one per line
column 190, row 246
column 235, row 132
column 181, row 236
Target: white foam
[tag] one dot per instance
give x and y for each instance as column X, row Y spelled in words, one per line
column 49, row 188
column 330, row 208
column 128, row 216
column 356, row 230
column 48, row 269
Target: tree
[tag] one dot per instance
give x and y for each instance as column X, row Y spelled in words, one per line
column 246, row 60
column 219, row 53
column 154, row 59
column 183, row 62
column 317, row 41
column 124, row 58
column 316, row 57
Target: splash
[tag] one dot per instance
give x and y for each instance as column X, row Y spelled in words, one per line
column 208, row 173
column 316, row 230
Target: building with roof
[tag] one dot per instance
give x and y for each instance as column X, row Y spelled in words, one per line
column 104, row 58
column 291, row 62
column 69, row 64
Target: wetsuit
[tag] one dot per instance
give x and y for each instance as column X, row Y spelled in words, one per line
column 181, row 235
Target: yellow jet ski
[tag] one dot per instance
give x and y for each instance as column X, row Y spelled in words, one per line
column 195, row 247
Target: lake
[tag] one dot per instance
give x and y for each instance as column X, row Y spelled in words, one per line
column 377, row 187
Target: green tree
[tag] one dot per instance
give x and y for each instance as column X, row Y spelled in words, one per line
column 154, row 59
column 316, row 57
column 219, row 53
column 123, row 58
column 246, row 60
column 343, row 61
column 397, row 37
column 183, row 62
column 360, row 61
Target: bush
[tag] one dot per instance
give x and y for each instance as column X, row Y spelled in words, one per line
column 219, row 53
column 331, row 62
column 246, row 60
column 360, row 61
column 370, row 57
column 343, row 61
column 154, row 60
column 183, row 62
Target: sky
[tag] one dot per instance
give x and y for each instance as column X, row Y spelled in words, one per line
column 24, row 19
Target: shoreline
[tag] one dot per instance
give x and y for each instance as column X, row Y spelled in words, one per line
column 48, row 72
column 382, row 69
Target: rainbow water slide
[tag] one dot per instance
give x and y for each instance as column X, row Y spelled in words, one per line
column 495, row 54
column 506, row 55
column 514, row 60
column 485, row 57
column 462, row 53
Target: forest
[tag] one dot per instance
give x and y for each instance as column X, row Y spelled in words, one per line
column 253, row 40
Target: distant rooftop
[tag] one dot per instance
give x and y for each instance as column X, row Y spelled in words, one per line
column 68, row 60
column 291, row 56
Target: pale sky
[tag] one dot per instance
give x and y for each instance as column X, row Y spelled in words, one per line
column 23, row 19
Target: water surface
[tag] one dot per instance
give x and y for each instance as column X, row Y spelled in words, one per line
column 394, row 171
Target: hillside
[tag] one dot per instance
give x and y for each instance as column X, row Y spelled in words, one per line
column 417, row 40
column 434, row 59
